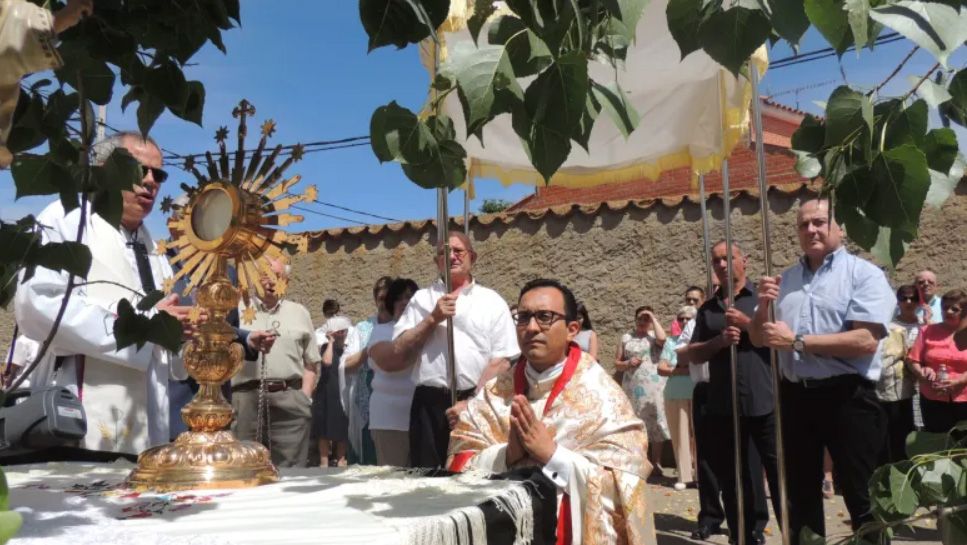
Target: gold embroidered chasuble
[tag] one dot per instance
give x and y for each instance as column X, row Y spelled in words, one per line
column 593, row 420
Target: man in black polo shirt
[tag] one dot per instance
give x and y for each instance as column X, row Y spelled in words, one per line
column 717, row 328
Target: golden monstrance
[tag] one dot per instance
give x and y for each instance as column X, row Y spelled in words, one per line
column 233, row 218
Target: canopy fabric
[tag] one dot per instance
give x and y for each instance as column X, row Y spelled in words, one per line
column 693, row 112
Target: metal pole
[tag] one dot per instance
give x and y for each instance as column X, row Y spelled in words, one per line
column 444, row 230
column 733, row 357
column 705, row 236
column 466, row 211
column 767, row 260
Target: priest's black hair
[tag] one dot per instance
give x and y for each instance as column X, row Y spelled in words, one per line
column 570, row 303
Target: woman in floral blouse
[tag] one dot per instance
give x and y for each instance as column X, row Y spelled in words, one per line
column 637, row 363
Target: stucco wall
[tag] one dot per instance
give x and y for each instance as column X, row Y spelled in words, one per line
column 613, row 259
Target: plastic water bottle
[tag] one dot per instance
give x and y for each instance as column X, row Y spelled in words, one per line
column 942, row 374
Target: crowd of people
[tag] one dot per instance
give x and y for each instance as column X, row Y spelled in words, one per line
column 861, row 366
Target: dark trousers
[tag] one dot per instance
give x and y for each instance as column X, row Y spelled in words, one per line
column 941, row 416
column 429, row 429
column 757, row 437
column 710, row 512
column 843, row 415
column 899, row 424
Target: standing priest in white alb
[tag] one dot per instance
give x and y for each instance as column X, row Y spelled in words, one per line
column 124, row 392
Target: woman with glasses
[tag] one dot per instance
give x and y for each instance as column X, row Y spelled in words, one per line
column 939, row 360
column 637, row 364
column 678, row 403
column 897, row 383
column 587, row 339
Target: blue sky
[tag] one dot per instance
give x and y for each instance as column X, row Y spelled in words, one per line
column 304, row 64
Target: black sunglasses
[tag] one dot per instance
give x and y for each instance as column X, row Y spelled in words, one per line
column 908, row 299
column 158, row 174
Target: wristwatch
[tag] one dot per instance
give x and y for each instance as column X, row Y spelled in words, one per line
column 798, row 344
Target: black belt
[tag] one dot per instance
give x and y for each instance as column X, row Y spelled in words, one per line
column 438, row 393
column 271, row 385
column 834, row 381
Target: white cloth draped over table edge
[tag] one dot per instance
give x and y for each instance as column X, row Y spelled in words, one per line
column 364, row 504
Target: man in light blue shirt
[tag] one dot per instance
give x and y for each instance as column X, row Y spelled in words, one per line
column 832, row 311
column 927, row 284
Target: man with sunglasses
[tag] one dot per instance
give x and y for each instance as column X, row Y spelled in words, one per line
column 124, row 391
column 483, row 339
column 558, row 411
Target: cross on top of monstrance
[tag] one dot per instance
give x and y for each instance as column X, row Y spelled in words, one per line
column 234, row 216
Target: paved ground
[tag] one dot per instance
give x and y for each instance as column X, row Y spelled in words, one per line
column 676, row 512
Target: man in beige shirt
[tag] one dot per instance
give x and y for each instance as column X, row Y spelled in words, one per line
column 290, row 376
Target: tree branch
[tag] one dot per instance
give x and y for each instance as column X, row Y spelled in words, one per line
column 919, row 83
column 895, row 71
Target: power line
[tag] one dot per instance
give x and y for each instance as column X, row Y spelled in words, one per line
column 316, row 212
column 322, row 145
column 360, row 212
column 818, row 54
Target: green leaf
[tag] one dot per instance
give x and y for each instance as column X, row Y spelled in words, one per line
column 427, row 150
column 194, row 103
column 555, row 105
column 582, row 132
column 68, row 256
column 730, row 37
column 150, row 300
column 628, row 12
column 482, row 12
column 831, row 20
column 684, row 16
column 902, row 183
column 942, row 186
column 941, row 148
column 906, row 126
column 936, row 27
column 528, row 54
column 807, row 165
column 858, row 15
column 167, row 82
column 81, row 69
column 905, row 498
column 130, row 327
column 934, row 93
column 810, row 136
column 10, row 523
column 38, row 175
column 551, row 20
column 109, row 204
column 148, row 112
column 119, row 172
column 401, row 22
column 165, row 331
column 27, row 130
column 391, row 128
column 809, row 537
column 486, row 83
column 956, row 108
column 858, row 228
column 848, row 113
column 615, row 102
column 890, row 247
column 789, row 19
column 4, row 492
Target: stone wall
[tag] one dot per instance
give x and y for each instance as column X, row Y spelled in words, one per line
column 614, row 256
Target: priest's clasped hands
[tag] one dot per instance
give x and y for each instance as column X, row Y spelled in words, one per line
column 528, row 435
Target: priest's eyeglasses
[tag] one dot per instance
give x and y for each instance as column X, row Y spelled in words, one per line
column 545, row 318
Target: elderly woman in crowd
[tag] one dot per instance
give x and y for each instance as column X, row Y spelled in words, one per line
column 939, row 360
column 356, row 379
column 897, row 381
column 637, row 364
column 587, row 339
column 329, row 423
column 678, row 402
column 389, row 405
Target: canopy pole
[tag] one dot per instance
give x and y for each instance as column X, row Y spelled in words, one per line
column 466, row 211
column 767, row 258
column 733, row 358
column 705, row 237
column 443, row 229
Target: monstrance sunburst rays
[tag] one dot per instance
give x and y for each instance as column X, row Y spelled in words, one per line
column 236, row 214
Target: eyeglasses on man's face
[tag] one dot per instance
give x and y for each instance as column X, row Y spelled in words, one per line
column 456, row 252
column 158, row 174
column 545, row 318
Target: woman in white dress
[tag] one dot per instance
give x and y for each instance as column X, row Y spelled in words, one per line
column 637, row 362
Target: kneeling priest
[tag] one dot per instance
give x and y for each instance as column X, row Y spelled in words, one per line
column 559, row 410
